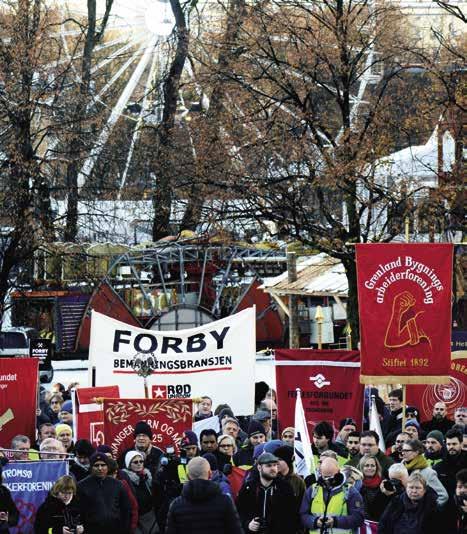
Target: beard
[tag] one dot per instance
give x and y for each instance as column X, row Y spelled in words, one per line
column 269, row 476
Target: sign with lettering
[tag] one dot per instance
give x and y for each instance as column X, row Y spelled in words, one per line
column 42, row 349
column 168, row 419
column 18, row 398
column 404, row 298
column 29, row 484
column 216, row 359
column 329, row 384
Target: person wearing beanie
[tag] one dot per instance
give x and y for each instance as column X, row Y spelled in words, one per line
column 412, row 427
column 435, row 449
column 66, row 413
column 288, row 435
column 141, row 482
column 256, row 435
column 143, row 443
column 189, row 444
column 81, row 465
column 286, row 456
column 65, row 435
column 105, row 449
column 218, row 476
column 103, row 503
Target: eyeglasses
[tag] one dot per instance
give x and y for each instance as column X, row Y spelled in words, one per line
column 401, row 440
column 226, row 446
column 137, row 462
column 407, row 450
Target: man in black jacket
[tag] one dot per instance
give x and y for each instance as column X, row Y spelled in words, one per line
column 267, row 501
column 202, row 508
column 103, row 501
column 143, row 443
column 439, row 420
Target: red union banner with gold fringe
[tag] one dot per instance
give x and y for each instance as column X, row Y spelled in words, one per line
column 404, row 296
column 168, row 419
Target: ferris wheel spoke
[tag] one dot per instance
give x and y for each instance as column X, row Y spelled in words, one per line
column 137, row 130
column 90, row 162
column 116, row 54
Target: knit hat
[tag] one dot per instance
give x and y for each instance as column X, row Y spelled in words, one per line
column 288, row 429
column 259, row 449
column 286, row 453
column 212, row 460
column 347, row 421
column 412, row 422
column 130, row 455
column 261, row 415
column 67, row 406
column 255, row 428
column 62, row 427
column 272, row 445
column 104, row 448
column 437, row 435
column 99, row 456
column 84, row 448
column 142, row 427
column 224, row 413
column 189, row 438
column 411, row 409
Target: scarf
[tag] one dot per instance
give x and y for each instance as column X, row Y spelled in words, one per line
column 372, row 482
column 144, row 477
column 419, row 462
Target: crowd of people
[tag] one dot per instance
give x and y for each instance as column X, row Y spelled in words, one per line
column 242, row 479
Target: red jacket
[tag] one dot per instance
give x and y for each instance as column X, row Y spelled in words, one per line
column 133, row 504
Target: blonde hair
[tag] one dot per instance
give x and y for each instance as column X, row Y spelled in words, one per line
column 417, row 477
column 367, row 457
column 64, row 483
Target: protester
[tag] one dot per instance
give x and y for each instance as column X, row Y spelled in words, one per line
column 66, row 413
column 9, row 514
column 217, row 476
column 80, row 466
column 103, row 503
column 204, row 409
column 346, row 426
column 412, row 428
column 322, row 440
column 412, row 512
column 415, row 461
column 52, row 449
column 330, row 503
column 140, row 481
column 60, row 513
column 21, row 447
column 202, row 508
column 440, row 420
column 45, row 430
column 288, row 435
column 143, row 443
column 266, row 502
column 369, row 445
column 396, row 449
column 65, row 435
column 231, row 427
column 226, row 448
column 208, row 440
column 373, row 499
column 54, row 409
column 353, row 444
column 461, row 501
column 256, row 435
column 460, row 416
column 435, row 449
column 393, row 423
column 114, row 472
column 264, row 417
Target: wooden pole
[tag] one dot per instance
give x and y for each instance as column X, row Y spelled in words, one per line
column 294, row 333
column 404, row 390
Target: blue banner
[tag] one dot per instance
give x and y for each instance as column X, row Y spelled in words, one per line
column 29, row 484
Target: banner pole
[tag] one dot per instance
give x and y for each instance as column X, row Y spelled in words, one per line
column 404, row 390
column 93, row 376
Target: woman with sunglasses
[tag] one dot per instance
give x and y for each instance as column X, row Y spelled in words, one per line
column 141, row 483
column 59, row 513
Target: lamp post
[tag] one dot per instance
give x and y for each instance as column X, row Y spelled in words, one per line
column 319, row 318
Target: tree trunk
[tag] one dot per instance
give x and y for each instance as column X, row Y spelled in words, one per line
column 352, row 301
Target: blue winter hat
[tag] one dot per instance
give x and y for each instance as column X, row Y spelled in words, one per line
column 189, row 438
column 67, row 406
column 259, row 449
column 272, row 445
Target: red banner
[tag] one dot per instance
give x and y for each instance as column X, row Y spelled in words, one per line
column 88, row 413
column 453, row 394
column 404, row 296
column 168, row 420
column 18, row 398
column 329, row 381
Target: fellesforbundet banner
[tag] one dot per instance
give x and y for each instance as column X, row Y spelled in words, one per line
column 404, row 297
column 18, row 398
column 329, row 383
column 216, row 359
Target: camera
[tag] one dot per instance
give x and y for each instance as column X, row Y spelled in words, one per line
column 263, row 525
column 388, row 485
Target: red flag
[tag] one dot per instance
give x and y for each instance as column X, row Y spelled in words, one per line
column 331, row 390
column 454, row 394
column 18, row 398
column 404, row 296
column 88, row 414
column 168, row 420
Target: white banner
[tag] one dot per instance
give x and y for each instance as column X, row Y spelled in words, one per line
column 216, row 359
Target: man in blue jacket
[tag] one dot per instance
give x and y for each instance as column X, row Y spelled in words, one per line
column 330, row 502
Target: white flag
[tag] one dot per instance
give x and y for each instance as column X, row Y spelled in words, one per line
column 304, row 461
column 375, row 424
column 209, row 422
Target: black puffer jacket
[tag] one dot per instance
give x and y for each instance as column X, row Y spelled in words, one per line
column 104, row 506
column 55, row 514
column 7, row 505
column 203, row 509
